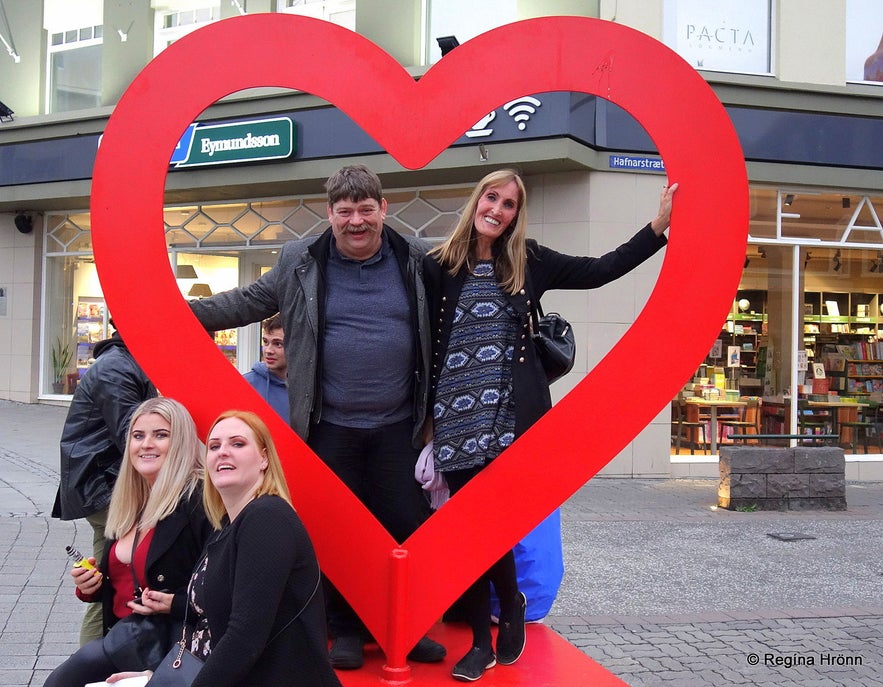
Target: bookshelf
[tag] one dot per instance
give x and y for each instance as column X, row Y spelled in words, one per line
column 864, row 376
column 854, row 369
column 745, row 326
column 839, row 318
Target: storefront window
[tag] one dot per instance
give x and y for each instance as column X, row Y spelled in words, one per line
column 806, row 323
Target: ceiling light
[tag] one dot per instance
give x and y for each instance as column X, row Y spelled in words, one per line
column 185, row 272
column 200, row 291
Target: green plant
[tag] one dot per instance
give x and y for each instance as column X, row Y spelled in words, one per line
column 750, row 508
column 62, row 355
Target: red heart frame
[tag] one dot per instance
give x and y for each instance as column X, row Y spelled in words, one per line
column 414, row 122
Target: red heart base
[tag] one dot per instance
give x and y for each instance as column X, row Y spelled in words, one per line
column 548, row 660
column 399, row 596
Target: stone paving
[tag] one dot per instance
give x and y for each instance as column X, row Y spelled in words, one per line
column 661, row 588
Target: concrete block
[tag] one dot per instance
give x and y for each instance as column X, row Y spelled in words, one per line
column 819, row 459
column 782, row 478
column 790, row 485
column 757, row 459
column 748, row 485
column 827, row 485
column 780, row 503
column 817, row 503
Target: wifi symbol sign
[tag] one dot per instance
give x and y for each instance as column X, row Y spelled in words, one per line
column 521, row 109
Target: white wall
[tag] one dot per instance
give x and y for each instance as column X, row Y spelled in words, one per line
column 590, row 213
column 19, row 327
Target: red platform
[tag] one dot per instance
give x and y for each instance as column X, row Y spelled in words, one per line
column 548, row 661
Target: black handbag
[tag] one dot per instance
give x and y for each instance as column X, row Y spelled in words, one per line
column 178, row 669
column 138, row 642
column 555, row 343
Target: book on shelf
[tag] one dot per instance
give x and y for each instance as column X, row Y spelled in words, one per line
column 870, row 386
column 864, row 350
column 834, row 362
column 820, row 385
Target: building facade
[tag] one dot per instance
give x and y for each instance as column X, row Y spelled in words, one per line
column 801, row 81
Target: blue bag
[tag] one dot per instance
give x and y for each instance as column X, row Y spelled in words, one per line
column 539, row 564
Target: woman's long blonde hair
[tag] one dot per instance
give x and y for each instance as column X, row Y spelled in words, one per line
column 274, row 479
column 457, row 251
column 177, row 478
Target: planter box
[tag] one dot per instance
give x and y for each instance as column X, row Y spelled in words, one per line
column 773, row 478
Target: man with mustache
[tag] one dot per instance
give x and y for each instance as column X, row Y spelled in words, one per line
column 357, row 343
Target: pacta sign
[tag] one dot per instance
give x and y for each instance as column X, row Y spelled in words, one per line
column 400, row 596
column 217, row 144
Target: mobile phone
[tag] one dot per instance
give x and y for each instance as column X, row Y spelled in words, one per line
column 80, row 561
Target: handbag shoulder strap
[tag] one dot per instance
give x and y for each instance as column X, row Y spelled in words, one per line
column 536, row 308
column 300, row 612
column 183, row 640
column 132, row 559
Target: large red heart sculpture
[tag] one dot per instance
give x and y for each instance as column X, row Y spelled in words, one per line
column 400, row 595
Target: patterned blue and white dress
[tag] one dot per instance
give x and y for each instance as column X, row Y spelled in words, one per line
column 474, row 414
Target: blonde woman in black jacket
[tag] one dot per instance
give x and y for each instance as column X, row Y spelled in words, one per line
column 156, row 527
column 488, row 385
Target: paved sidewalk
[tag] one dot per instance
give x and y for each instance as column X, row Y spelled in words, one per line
column 660, row 588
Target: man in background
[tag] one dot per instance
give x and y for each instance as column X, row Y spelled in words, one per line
column 268, row 376
column 93, row 441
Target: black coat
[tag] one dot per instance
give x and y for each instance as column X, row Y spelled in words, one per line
column 262, row 572
column 546, row 270
column 94, row 435
column 176, row 547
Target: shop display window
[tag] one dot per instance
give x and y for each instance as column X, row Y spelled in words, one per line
column 819, row 255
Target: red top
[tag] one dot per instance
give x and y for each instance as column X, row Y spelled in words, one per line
column 119, row 575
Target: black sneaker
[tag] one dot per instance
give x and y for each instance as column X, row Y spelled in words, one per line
column 427, row 651
column 347, row 652
column 473, row 664
column 510, row 637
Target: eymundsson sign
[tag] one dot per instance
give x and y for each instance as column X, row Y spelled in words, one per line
column 251, row 141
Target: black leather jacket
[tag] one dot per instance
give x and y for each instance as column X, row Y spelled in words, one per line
column 94, row 436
